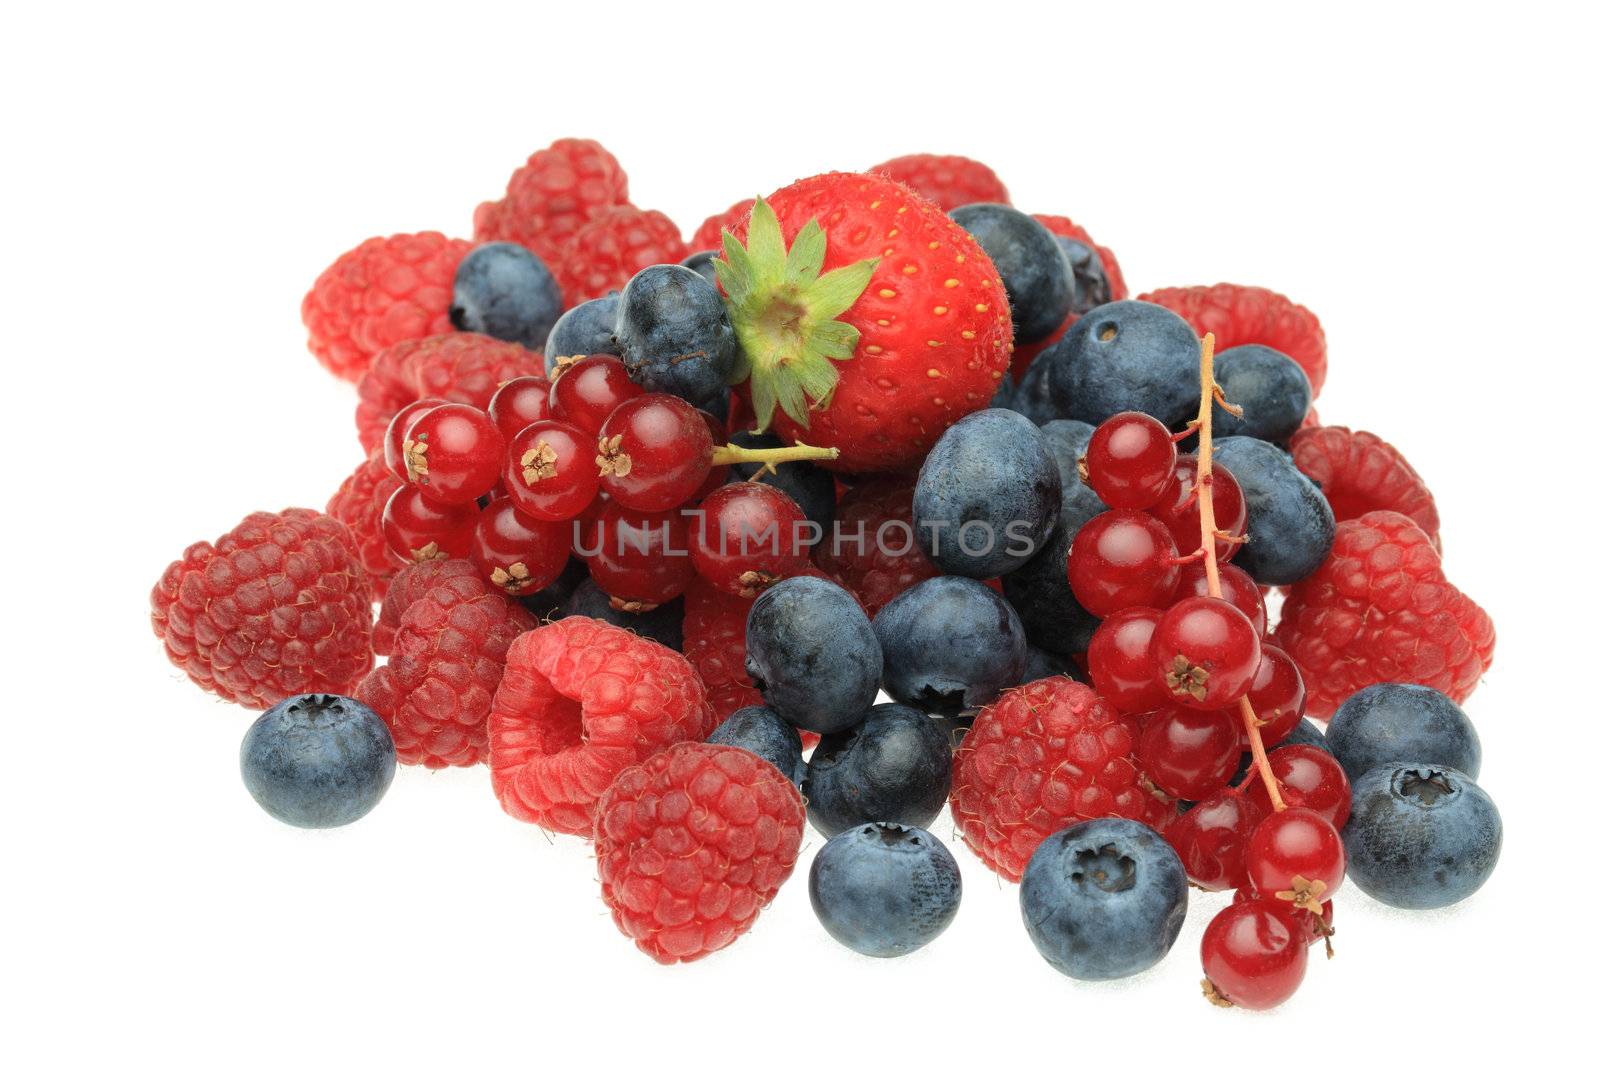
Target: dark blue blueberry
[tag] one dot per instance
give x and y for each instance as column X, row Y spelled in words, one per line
column 1305, row 732
column 1395, row 723
column 1068, row 440
column 1005, row 394
column 1290, row 526
column 1091, row 287
column 590, row 329
column 1271, row 388
column 806, row 483
column 761, row 730
column 1420, row 835
column 1126, row 356
column 1032, row 266
column 885, row 890
column 1042, row 664
column 893, row 766
column 664, row 625
column 674, row 333
column 1104, row 899
column 950, row 644
column 505, row 291
column 717, row 406
column 548, row 602
column 1038, row 589
column 811, row 651
column 988, row 495
column 1034, row 395
column 700, row 263
column 317, row 760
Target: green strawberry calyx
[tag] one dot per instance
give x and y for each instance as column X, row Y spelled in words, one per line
column 785, row 312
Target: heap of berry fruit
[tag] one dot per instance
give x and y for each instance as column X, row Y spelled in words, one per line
column 645, row 521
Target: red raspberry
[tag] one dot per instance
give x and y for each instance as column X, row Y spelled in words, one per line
column 709, row 235
column 1045, row 756
column 692, row 844
column 278, row 606
column 358, row 503
column 385, row 290
column 581, row 701
column 1360, row 472
column 556, row 191
column 949, row 181
column 404, row 589
column 614, row 246
column 1379, row 609
column 854, row 557
column 1062, row 226
column 713, row 643
column 462, row 368
column 448, row 654
column 1251, row 315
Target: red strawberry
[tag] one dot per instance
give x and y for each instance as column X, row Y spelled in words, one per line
column 868, row 321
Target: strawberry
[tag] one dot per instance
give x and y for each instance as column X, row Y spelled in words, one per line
column 867, row 320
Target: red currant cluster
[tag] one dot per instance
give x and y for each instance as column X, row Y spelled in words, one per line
column 1180, row 649
column 590, row 462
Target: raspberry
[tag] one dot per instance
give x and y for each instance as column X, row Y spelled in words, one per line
column 1379, row 609
column 1360, row 472
column 709, row 235
column 692, row 844
column 385, row 290
column 462, row 368
column 358, row 503
column 949, row 181
column 581, row 701
column 448, row 654
column 278, row 606
column 404, row 589
column 556, row 191
column 713, row 643
column 1044, row 756
column 614, row 246
column 1251, row 315
column 866, row 554
column 1062, row 226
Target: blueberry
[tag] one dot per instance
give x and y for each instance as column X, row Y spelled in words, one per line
column 811, row 651
column 700, row 263
column 1391, row 722
column 893, row 766
column 1271, row 388
column 1032, row 266
column 988, row 495
column 1042, row 664
column 505, row 291
column 950, row 644
column 1291, row 526
column 1034, row 395
column 664, row 625
column 317, row 761
column 1420, row 835
column 761, row 730
column 1091, row 287
column 1104, row 899
column 1004, row 394
column 1305, row 732
column 1126, row 356
column 1038, row 590
column 590, row 329
column 674, row 333
column 885, row 890
column 806, row 483
column 548, row 602
column 1068, row 440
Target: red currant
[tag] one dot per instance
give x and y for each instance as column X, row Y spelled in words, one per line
column 418, row 529
column 1179, row 509
column 1297, row 853
column 550, row 472
column 1237, row 588
column 640, row 559
column 519, row 555
column 518, row 402
column 1253, row 957
column 1313, row 926
column 453, row 452
column 1188, row 752
column 1308, row 778
column 655, row 450
column 1122, row 559
column 1129, row 461
column 587, row 390
column 1277, row 695
column 1210, row 839
column 746, row 536
column 1119, row 661
column 394, row 438
column 1206, row 652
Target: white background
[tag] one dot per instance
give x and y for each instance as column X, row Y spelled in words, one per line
column 176, row 179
